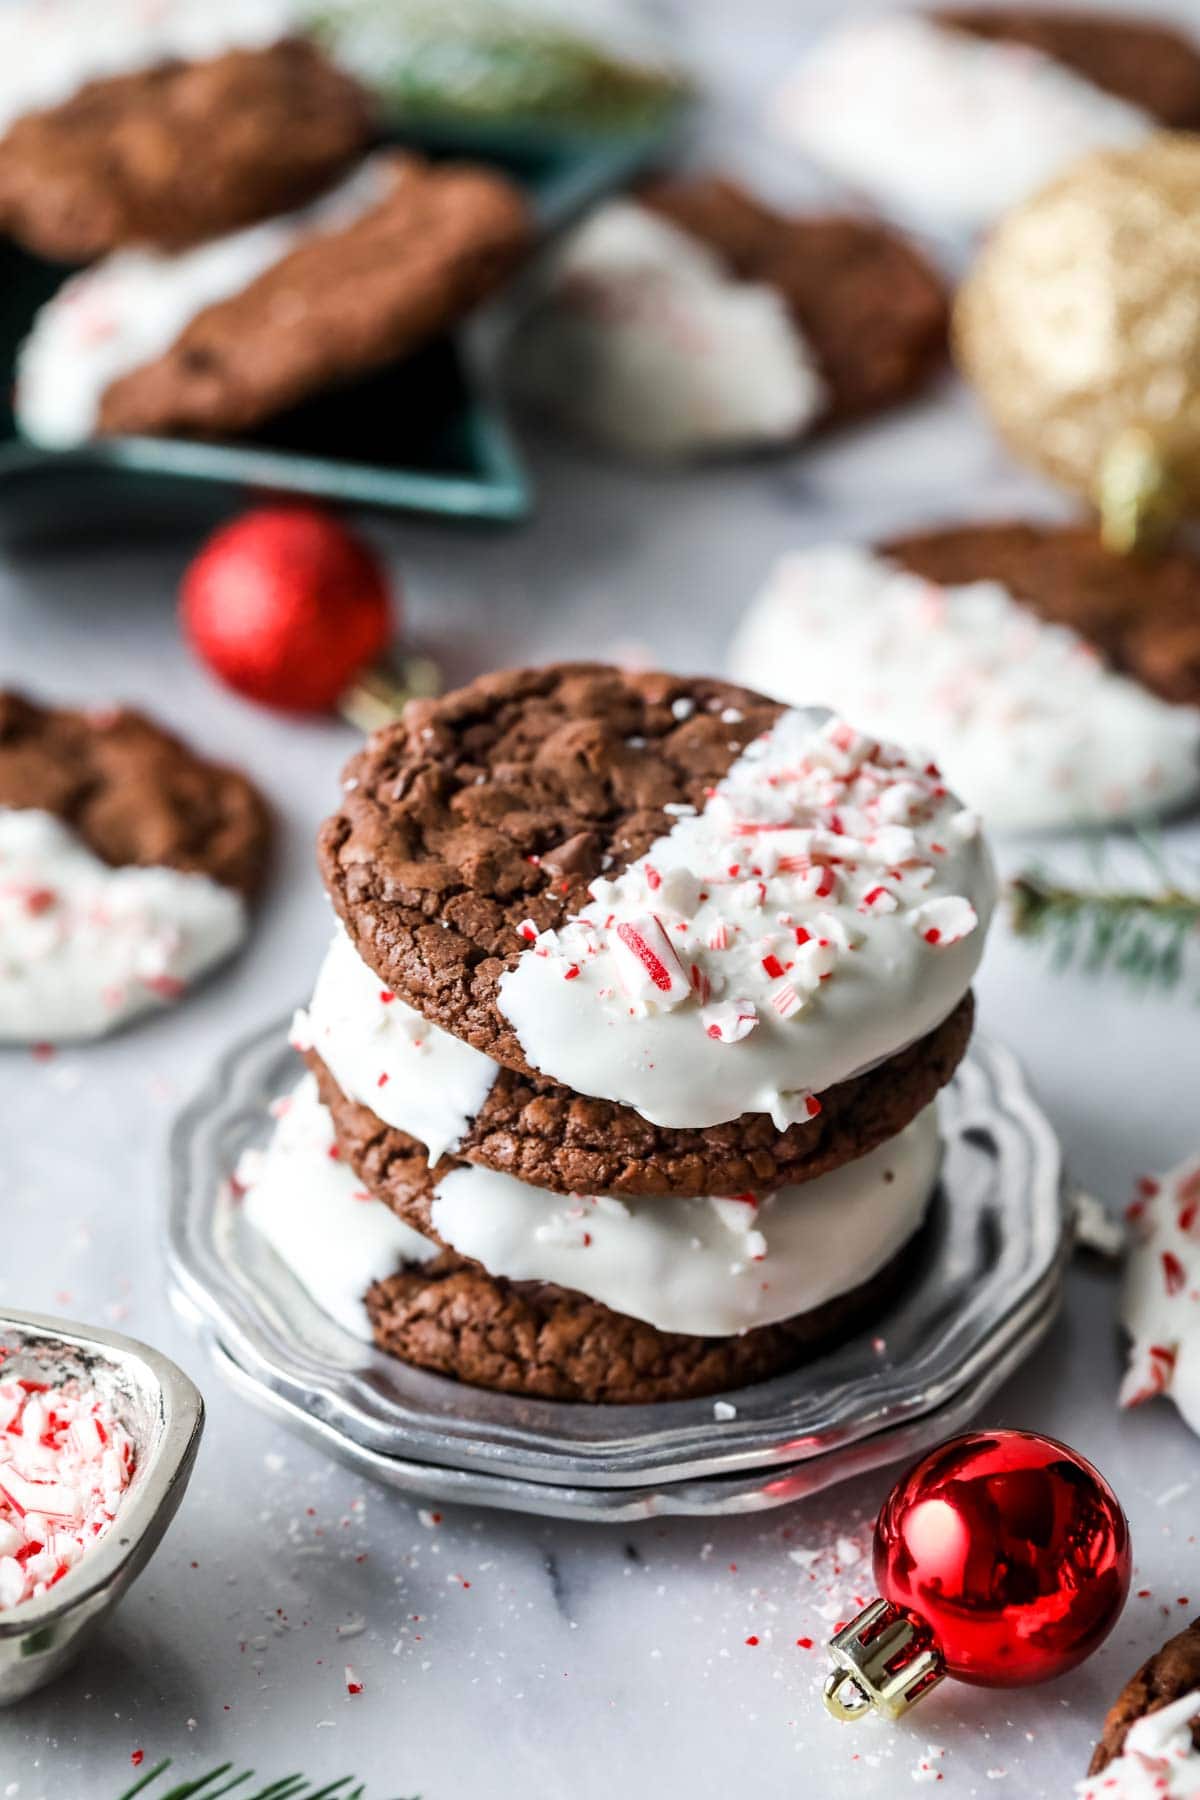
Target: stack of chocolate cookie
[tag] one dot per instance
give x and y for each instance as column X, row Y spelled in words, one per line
column 623, row 1060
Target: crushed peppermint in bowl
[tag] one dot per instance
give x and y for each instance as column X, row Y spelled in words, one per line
column 66, row 1462
column 98, row 1435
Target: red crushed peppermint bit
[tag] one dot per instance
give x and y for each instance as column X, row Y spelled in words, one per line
column 137, row 1758
column 571, row 972
column 528, row 930
column 353, row 1684
column 167, row 987
column 386, row 997
column 647, row 963
column 786, row 1000
column 878, row 899
column 1174, row 1273
column 812, row 1106
column 773, row 966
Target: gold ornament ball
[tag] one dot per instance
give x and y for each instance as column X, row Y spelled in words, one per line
column 1080, row 327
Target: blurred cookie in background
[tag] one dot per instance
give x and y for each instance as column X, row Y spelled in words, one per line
column 952, row 117
column 695, row 320
column 163, row 125
column 1036, row 668
column 212, row 341
column 127, row 867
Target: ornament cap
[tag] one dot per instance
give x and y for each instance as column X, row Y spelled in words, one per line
column 884, row 1661
column 1137, row 491
column 380, row 693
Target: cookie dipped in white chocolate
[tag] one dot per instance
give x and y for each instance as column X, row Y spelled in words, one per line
column 1158, row 1759
column 826, row 908
column 703, row 1267
column 940, row 125
column 1160, row 1301
column 643, row 342
column 1023, row 717
column 128, row 310
column 83, row 947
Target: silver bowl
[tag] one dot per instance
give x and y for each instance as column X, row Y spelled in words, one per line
column 164, row 1415
column 986, row 1286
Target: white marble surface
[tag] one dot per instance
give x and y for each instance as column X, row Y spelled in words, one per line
column 578, row 1660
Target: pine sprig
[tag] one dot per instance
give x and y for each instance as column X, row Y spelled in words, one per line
column 1144, row 936
column 223, row 1781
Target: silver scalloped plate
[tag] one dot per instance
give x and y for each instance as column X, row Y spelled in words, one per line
column 987, row 1284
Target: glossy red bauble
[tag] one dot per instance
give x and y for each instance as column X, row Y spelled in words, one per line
column 1013, row 1550
column 287, row 607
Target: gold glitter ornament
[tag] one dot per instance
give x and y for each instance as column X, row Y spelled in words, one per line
column 1080, row 327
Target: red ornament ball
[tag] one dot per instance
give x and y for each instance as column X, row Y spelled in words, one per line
column 1013, row 1550
column 287, row 607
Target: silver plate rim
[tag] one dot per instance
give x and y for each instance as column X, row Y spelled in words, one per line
column 351, row 1388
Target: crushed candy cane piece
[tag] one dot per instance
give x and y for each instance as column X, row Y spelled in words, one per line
column 729, row 1021
column 646, row 962
column 65, row 1464
column 944, row 921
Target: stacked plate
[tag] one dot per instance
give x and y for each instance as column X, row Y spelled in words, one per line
column 985, row 1285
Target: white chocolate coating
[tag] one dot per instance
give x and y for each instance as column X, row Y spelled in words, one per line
column 942, row 125
column 710, row 1268
column 49, row 49
column 1027, row 723
column 84, row 948
column 129, row 309
column 704, row 1267
column 1160, row 1301
column 827, row 907
column 643, row 342
column 316, row 1215
column 384, row 1055
column 1157, row 1760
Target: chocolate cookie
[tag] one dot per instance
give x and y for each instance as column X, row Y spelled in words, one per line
column 133, row 793
column 873, row 310
column 344, row 302
column 546, row 1136
column 183, row 151
column 1167, row 1676
column 453, row 1318
column 490, row 863
column 501, row 802
column 1142, row 614
column 1147, row 63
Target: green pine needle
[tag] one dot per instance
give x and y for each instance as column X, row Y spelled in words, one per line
column 1143, row 936
column 215, row 1783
